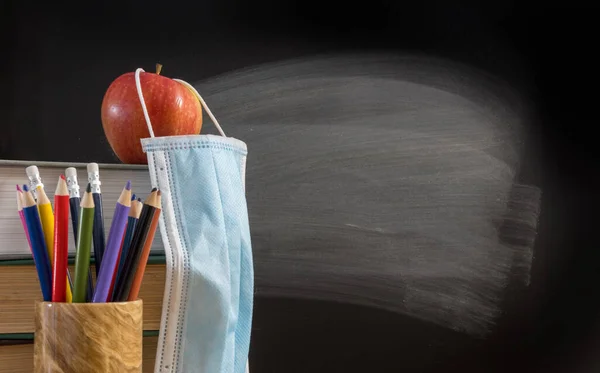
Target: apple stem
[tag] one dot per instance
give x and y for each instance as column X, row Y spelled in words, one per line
column 158, row 68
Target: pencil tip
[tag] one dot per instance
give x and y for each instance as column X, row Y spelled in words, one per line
column 19, row 188
column 158, row 193
column 128, row 185
column 153, row 190
column 133, row 197
column 89, row 188
column 63, row 177
column 139, row 199
column 25, row 188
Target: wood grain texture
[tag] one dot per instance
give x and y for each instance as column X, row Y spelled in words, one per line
column 18, row 302
column 88, row 337
column 19, row 358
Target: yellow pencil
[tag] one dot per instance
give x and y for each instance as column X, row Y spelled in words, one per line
column 47, row 218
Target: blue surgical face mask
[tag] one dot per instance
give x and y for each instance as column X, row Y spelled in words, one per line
column 207, row 306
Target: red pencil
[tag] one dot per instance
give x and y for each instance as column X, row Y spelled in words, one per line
column 61, row 241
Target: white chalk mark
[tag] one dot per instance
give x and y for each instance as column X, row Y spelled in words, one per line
column 365, row 229
column 383, row 181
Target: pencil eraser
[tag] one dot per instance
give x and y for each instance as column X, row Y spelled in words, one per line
column 93, row 167
column 71, row 171
column 32, row 171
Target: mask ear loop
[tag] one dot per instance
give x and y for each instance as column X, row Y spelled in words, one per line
column 138, row 86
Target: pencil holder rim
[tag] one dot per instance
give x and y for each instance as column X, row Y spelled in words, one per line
column 90, row 304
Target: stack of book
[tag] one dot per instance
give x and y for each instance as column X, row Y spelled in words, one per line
column 19, row 284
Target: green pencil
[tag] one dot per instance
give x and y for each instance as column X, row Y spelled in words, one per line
column 84, row 246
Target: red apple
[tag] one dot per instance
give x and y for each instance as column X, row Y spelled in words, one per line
column 172, row 107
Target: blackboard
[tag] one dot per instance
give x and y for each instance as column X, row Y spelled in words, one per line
column 421, row 179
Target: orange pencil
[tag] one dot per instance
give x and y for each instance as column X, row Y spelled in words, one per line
column 139, row 274
column 61, row 242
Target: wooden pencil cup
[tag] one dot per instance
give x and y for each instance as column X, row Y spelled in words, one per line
column 88, row 337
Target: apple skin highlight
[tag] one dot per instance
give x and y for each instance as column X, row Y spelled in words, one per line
column 173, row 111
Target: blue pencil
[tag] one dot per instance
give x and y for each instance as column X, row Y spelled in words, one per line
column 98, row 233
column 38, row 244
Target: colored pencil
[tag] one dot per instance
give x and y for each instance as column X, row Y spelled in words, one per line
column 134, row 216
column 99, row 239
column 84, row 243
column 74, row 202
column 125, row 282
column 47, row 219
column 38, row 244
column 141, row 268
column 111, row 254
column 114, row 279
column 21, row 215
column 60, row 285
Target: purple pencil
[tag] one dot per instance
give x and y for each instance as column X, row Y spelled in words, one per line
column 113, row 245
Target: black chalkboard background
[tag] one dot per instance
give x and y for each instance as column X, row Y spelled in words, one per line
column 57, row 61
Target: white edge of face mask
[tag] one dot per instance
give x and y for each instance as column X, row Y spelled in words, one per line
column 168, row 352
column 168, row 140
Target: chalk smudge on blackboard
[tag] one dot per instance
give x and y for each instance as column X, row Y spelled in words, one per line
column 383, row 181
